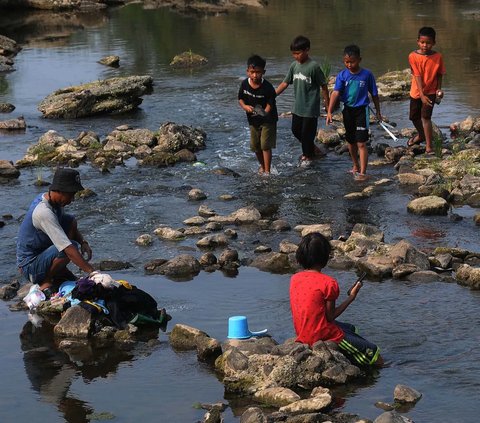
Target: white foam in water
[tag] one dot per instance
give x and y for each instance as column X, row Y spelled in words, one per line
column 274, row 171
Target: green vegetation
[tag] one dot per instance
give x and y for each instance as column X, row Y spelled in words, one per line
column 326, row 67
column 437, row 145
column 458, row 145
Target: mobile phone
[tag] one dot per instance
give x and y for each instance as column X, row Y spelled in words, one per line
column 360, row 279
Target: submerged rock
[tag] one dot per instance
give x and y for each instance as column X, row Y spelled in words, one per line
column 188, row 60
column 7, row 170
column 6, row 108
column 111, row 61
column 427, row 206
column 404, row 394
column 13, row 124
column 110, row 96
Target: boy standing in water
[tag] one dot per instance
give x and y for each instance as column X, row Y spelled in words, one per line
column 307, row 79
column 427, row 70
column 352, row 87
column 257, row 97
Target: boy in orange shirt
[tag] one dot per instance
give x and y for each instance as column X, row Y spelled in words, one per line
column 427, row 70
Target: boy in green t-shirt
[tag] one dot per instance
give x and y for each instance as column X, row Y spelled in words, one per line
column 307, row 79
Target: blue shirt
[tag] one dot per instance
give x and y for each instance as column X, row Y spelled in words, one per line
column 354, row 88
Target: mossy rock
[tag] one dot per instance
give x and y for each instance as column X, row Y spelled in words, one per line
column 160, row 159
column 188, row 60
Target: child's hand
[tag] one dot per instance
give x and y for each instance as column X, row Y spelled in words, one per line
column 439, row 94
column 329, row 118
column 249, row 109
column 426, row 100
column 355, row 289
column 379, row 117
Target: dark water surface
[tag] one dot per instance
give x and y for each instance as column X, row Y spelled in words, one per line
column 428, row 331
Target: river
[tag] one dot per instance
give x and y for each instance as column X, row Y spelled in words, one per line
column 428, row 331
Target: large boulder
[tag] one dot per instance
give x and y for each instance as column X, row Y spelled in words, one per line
column 110, row 96
column 188, row 60
column 405, row 253
column 8, row 47
column 181, row 266
column 368, row 232
column 272, row 262
column 395, row 85
column 7, row 170
column 174, row 137
column 427, row 206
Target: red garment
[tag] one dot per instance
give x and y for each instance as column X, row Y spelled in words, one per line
column 308, row 292
column 428, row 67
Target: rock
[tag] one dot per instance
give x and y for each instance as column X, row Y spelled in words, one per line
column 403, row 270
column 76, row 323
column 145, row 239
column 329, row 137
column 443, row 260
column 474, row 200
column 169, row 233
column 395, row 85
column 253, row 415
column 392, row 417
column 455, row 252
column 213, row 416
column 188, row 60
column 427, row 206
column 465, row 127
column 185, row 155
column 6, row 107
column 394, row 154
column 195, row 230
column 183, row 265
column 228, row 257
column 404, row 394
column 309, row 405
column 214, row 226
column 110, row 96
column 227, row 197
column 184, row 337
column 7, row 170
column 205, row 211
column 271, row 262
column 423, row 276
column 9, row 47
column 277, row 397
column 220, row 170
column 110, row 265
column 280, row 225
column 476, row 219
column 325, row 230
column 247, row 214
column 111, row 61
column 411, row 178
column 194, row 221
column 376, row 266
column 341, row 263
column 174, row 137
column 6, row 64
column 404, row 252
column 7, row 292
column 118, row 146
column 208, row 259
column 231, row 233
column 261, row 249
column 288, row 247
column 24, row 290
column 151, row 266
column 142, row 152
column 363, row 231
column 13, row 124
column 208, row 349
column 213, row 241
column 196, row 195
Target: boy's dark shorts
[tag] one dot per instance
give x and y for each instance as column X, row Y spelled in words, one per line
column 356, row 121
column 263, row 137
column 419, row 111
column 357, row 349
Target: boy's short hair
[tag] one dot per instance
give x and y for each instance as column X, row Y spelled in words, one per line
column 255, row 61
column 427, row 31
column 351, row 51
column 313, row 251
column 300, row 43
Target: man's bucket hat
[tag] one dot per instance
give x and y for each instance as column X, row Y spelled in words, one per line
column 238, row 328
column 66, row 180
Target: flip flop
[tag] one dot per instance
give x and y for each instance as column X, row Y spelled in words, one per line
column 411, row 142
column 430, row 153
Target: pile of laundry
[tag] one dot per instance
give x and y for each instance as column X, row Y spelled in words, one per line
column 99, row 293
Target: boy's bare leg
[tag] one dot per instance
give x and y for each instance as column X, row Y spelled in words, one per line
column 428, row 129
column 267, row 160
column 419, row 127
column 363, row 151
column 353, row 149
column 260, row 159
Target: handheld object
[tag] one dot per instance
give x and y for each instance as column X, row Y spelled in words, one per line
column 384, row 126
column 360, row 279
column 260, row 111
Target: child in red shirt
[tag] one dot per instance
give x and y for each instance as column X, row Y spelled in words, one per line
column 427, row 70
column 312, row 300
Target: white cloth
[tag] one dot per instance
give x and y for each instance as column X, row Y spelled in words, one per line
column 106, row 280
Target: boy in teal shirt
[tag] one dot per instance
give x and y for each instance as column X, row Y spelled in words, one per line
column 307, row 79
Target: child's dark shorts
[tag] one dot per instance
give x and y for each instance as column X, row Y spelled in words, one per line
column 419, row 111
column 263, row 137
column 356, row 121
column 357, row 349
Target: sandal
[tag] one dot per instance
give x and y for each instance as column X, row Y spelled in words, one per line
column 411, row 142
column 430, row 153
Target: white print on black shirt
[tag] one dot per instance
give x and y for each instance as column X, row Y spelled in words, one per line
column 253, row 95
column 302, row 77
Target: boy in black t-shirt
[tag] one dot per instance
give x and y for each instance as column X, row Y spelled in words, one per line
column 257, row 97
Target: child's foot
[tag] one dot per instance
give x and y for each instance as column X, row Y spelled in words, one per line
column 361, row 177
column 430, row 153
column 261, row 170
column 305, row 162
column 354, row 170
column 415, row 141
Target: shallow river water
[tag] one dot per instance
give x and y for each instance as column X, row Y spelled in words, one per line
column 427, row 331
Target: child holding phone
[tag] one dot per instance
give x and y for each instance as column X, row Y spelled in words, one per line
column 312, row 300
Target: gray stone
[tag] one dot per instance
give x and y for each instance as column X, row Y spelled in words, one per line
column 247, row 214
column 183, row 265
column 403, row 270
column 253, row 415
column 110, row 265
column 237, row 360
column 196, row 195
column 7, row 170
column 151, row 266
column 404, row 252
column 341, row 263
column 205, row 211
column 169, row 233
column 174, row 137
column 145, row 239
column 231, row 233
column 280, row 225
column 194, row 221
column 214, row 226
column 287, row 247
column 24, row 290
column 392, row 417
column 261, row 249
column 361, row 230
column 208, row 349
column 188, row 60
column 213, row 241
column 404, row 394
column 111, row 61
column 423, row 276
column 95, row 98
column 476, row 219
column 7, row 292
column 444, row 260
column 208, row 259
column 335, row 374
column 76, row 323
column 195, row 230
column 324, row 229
column 278, row 397
column 13, row 124
column 271, row 262
column 185, row 155
column 227, row 257
column 184, row 337
column 309, row 405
